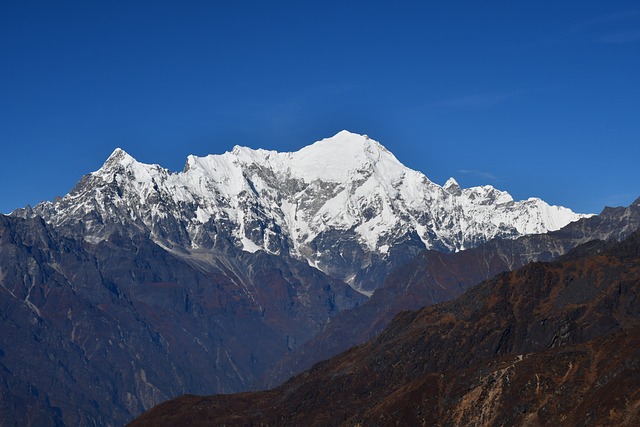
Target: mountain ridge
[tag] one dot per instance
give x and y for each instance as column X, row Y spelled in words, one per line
column 433, row 277
column 208, row 269
column 347, row 189
column 93, row 334
column 553, row 342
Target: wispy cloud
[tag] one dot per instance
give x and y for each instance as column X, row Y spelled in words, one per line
column 621, row 37
column 600, row 29
column 487, row 99
column 478, row 173
column 478, row 100
column 619, row 199
column 606, row 28
column 603, row 20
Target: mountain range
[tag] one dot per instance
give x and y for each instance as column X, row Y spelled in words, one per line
column 344, row 205
column 433, row 277
column 143, row 284
column 549, row 344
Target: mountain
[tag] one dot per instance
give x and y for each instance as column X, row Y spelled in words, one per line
column 96, row 333
column 344, row 205
column 433, row 277
column 143, row 284
column 550, row 343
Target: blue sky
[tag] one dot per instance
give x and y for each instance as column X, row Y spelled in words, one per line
column 541, row 99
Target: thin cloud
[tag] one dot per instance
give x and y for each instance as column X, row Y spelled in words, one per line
column 477, row 100
column 606, row 28
column 619, row 199
column 599, row 29
column 481, row 99
column 478, row 173
column 599, row 21
column 621, row 37
column 484, row 99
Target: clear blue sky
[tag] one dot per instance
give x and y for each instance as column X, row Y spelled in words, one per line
column 539, row 98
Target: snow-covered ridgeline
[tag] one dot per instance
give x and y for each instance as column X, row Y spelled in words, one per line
column 282, row 202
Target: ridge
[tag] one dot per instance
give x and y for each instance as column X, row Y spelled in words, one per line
column 344, row 194
column 493, row 356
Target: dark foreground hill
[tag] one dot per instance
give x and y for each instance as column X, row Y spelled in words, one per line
column 549, row 344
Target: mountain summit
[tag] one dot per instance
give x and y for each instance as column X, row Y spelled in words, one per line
column 216, row 274
column 345, row 195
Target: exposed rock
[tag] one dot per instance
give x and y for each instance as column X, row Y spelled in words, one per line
column 433, row 277
column 549, row 344
column 344, row 205
column 94, row 334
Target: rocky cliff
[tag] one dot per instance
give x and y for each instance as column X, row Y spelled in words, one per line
column 548, row 344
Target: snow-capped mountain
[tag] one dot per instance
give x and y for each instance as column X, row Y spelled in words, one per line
column 212, row 273
column 344, row 204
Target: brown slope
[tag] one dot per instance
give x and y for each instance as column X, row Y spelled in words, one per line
column 433, row 277
column 551, row 343
column 593, row 383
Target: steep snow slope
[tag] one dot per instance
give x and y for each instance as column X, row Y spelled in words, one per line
column 344, row 204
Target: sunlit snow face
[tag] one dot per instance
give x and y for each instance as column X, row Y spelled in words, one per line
column 347, row 185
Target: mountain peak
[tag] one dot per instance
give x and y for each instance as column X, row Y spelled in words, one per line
column 347, row 138
column 336, row 157
column 345, row 132
column 123, row 165
column 451, row 186
column 347, row 185
column 118, row 157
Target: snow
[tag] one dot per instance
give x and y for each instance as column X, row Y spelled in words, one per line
column 337, row 158
column 346, row 182
column 451, row 185
column 249, row 246
column 202, row 215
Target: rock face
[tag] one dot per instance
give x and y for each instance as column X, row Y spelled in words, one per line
column 96, row 333
column 344, row 205
column 551, row 343
column 433, row 277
